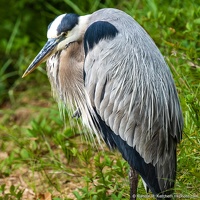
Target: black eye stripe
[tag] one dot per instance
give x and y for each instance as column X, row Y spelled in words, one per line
column 68, row 22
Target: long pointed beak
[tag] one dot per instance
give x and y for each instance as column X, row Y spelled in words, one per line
column 42, row 56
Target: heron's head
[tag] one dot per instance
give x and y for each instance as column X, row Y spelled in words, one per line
column 63, row 31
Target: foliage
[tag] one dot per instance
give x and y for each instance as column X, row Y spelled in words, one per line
column 99, row 185
column 32, row 133
column 14, row 193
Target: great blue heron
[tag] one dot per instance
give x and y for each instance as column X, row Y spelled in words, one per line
column 109, row 69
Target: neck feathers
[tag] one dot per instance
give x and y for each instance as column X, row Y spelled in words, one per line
column 65, row 72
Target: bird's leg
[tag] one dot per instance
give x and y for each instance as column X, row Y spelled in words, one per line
column 133, row 177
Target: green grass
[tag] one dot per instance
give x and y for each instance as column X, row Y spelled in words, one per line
column 42, row 154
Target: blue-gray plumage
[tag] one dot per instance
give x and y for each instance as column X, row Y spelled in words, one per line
column 109, row 70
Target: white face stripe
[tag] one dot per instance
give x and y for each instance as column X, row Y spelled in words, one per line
column 52, row 32
column 76, row 33
column 73, row 35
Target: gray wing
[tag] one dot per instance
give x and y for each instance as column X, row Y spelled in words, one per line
column 132, row 90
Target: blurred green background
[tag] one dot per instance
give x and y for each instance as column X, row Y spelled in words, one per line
column 32, row 134
column 173, row 25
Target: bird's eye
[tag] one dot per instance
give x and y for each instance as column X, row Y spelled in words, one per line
column 64, row 34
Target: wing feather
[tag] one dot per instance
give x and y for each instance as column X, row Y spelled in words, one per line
column 132, row 90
